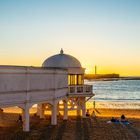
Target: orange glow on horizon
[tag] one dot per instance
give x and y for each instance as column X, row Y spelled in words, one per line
column 127, row 71
column 103, row 66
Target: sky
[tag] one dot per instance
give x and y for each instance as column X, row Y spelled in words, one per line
column 105, row 33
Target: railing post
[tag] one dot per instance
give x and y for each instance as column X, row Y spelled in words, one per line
column 84, row 87
column 80, row 89
column 75, row 89
column 91, row 88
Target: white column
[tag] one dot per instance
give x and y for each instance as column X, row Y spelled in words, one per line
column 58, row 109
column 23, row 115
column 65, row 110
column 26, row 118
column 54, row 114
column 78, row 110
column 38, row 110
column 83, row 108
column 42, row 111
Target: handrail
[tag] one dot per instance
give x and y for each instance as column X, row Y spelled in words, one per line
column 80, row 89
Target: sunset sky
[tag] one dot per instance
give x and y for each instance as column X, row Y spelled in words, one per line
column 105, row 33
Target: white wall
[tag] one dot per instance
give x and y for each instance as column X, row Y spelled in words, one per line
column 29, row 84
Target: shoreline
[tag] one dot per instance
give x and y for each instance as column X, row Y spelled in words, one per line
column 113, row 78
column 113, row 104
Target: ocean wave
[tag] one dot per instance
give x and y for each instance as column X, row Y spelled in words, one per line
column 120, row 94
column 113, row 99
column 117, row 105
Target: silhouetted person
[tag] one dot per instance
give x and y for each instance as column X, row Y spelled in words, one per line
column 94, row 104
column 1, row 110
column 123, row 118
column 35, row 114
column 20, row 118
column 113, row 119
column 93, row 114
column 87, row 113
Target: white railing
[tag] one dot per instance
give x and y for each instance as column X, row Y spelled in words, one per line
column 80, row 89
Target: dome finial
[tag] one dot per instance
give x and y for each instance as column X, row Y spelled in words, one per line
column 61, row 52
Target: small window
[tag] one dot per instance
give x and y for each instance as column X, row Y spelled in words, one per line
column 74, row 79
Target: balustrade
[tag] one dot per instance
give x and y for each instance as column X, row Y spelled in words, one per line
column 80, row 89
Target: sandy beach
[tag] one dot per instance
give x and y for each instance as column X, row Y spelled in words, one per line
column 74, row 128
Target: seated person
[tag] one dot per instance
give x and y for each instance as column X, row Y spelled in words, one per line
column 1, row 110
column 87, row 113
column 113, row 119
column 123, row 118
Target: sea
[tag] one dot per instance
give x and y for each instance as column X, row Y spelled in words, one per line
column 121, row 94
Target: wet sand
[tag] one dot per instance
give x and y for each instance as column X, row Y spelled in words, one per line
column 75, row 128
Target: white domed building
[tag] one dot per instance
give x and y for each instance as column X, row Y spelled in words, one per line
column 62, row 61
column 78, row 92
column 68, row 62
column 56, row 86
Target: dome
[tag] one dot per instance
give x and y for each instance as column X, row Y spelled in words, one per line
column 62, row 61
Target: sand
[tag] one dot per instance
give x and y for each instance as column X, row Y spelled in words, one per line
column 75, row 128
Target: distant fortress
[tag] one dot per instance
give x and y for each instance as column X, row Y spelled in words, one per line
column 101, row 76
column 109, row 77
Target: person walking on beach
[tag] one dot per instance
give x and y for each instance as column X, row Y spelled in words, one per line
column 93, row 114
column 93, row 104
